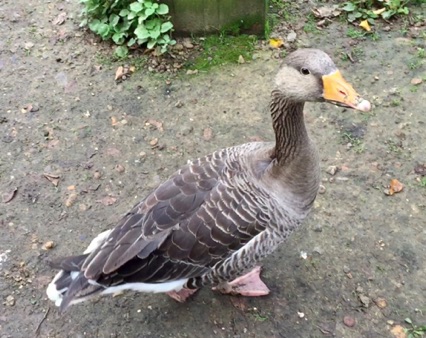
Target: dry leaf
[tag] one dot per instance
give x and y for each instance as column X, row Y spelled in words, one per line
column 398, row 332
column 71, row 200
column 395, row 186
column 60, row 19
column 132, row 69
column 8, row 196
column 364, row 24
column 114, row 121
column 156, row 124
column 153, row 142
column 119, row 73
column 275, row 43
column 326, row 11
column 108, row 200
column 54, row 179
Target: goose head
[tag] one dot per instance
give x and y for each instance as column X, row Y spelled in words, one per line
column 311, row 75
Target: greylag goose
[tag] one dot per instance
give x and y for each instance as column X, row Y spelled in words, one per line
column 218, row 216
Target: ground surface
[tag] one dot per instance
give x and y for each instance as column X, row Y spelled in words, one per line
column 366, row 252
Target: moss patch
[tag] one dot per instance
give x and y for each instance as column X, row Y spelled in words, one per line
column 223, row 49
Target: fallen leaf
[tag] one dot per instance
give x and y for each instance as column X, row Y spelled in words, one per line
column 275, row 43
column 108, row 200
column 156, row 124
column 395, row 186
column 119, row 73
column 54, row 179
column 241, row 59
column 379, row 11
column 8, row 196
column 207, row 134
column 364, row 24
column 114, row 121
column 398, row 331
column 132, row 69
column 60, row 19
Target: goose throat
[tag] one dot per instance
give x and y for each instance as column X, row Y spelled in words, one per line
column 289, row 126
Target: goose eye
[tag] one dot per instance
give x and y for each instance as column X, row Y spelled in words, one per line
column 305, row 71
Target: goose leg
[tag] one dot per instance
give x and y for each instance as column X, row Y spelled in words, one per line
column 249, row 285
column 182, row 295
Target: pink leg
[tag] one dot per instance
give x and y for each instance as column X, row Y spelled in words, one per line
column 249, row 285
column 182, row 295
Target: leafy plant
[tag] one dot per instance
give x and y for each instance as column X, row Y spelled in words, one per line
column 414, row 331
column 129, row 23
column 373, row 9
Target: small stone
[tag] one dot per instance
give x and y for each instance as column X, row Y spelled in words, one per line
column 119, row 168
column 191, row 72
column 349, row 321
column 153, row 142
column 416, row 81
column 318, row 227
column 380, row 302
column 48, row 245
column 318, row 250
column 332, row 170
column 321, row 189
column 97, row 175
column 10, row 300
column 346, row 269
column 291, row 37
column 241, row 59
column 178, row 46
column 187, row 44
column 386, row 28
column 364, row 300
column 179, row 104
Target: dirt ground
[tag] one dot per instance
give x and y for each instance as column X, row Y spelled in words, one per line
column 78, row 150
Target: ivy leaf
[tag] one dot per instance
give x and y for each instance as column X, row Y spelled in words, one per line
column 166, row 26
column 93, row 26
column 148, row 4
column 141, row 32
column 131, row 42
column 149, row 11
column 349, row 7
column 124, row 12
column 113, row 19
column 121, row 51
column 118, row 38
column 151, row 44
column 155, row 33
column 136, row 7
column 163, row 9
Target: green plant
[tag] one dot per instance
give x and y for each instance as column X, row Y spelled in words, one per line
column 356, row 143
column 373, row 9
column 354, row 33
column 414, row 331
column 423, row 182
column 421, row 53
column 129, row 23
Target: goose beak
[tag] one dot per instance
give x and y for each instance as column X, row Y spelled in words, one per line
column 339, row 91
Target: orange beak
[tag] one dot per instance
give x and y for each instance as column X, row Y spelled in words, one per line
column 339, row 91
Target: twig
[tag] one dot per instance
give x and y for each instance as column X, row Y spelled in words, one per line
column 41, row 321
